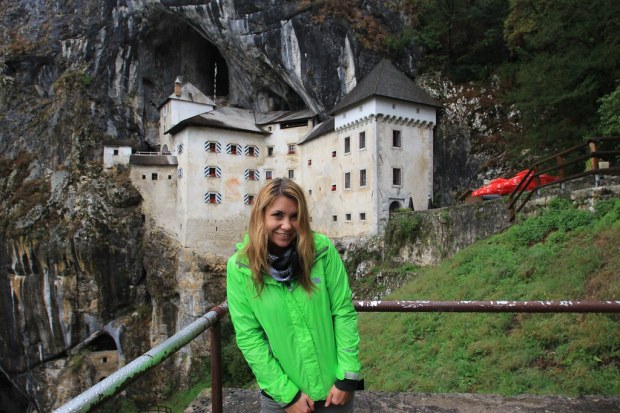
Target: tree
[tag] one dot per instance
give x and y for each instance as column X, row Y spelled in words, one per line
column 462, row 38
column 609, row 113
column 565, row 59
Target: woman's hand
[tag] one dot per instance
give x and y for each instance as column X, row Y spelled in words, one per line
column 304, row 405
column 337, row 396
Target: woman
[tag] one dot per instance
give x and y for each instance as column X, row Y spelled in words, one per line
column 290, row 304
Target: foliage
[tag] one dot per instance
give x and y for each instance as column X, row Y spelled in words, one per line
column 235, row 372
column 564, row 59
column 563, row 219
column 73, row 79
column 461, row 38
column 564, row 354
column 401, row 229
column 609, row 113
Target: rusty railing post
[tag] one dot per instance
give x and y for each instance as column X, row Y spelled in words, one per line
column 215, row 344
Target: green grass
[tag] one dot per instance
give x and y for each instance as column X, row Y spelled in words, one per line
column 563, row 254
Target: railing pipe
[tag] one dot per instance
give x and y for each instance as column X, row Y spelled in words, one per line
column 113, row 384
column 490, row 306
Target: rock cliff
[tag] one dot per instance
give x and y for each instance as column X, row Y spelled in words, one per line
column 78, row 261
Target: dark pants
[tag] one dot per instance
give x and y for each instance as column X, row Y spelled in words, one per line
column 268, row 405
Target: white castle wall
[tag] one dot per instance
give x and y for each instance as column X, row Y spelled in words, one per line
column 159, row 195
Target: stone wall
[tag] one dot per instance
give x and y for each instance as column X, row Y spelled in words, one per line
column 442, row 232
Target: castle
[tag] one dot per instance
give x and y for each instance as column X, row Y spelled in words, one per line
column 373, row 155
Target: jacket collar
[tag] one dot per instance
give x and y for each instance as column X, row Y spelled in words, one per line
column 320, row 249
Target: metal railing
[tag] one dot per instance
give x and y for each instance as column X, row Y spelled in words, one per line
column 114, row 383
column 560, row 162
column 211, row 320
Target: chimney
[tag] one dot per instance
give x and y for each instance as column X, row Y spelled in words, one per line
column 177, row 86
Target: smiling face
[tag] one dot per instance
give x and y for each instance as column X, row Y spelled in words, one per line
column 281, row 222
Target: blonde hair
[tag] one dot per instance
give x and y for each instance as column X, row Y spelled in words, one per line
column 256, row 248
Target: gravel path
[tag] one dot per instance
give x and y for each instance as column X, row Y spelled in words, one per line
column 246, row 401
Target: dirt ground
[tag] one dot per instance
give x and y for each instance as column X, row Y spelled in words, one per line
column 246, row 401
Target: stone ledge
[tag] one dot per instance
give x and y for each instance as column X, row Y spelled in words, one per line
column 149, row 160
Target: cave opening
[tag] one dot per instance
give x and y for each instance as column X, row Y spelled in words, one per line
column 12, row 400
column 170, row 47
column 103, row 342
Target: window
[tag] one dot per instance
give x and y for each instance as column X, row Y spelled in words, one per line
column 362, row 177
column 212, row 146
column 362, row 216
column 291, row 174
column 362, row 140
column 396, row 140
column 309, row 162
column 213, row 171
column 180, row 173
column 347, row 217
column 291, row 149
column 251, row 150
column 169, row 176
column 213, row 198
column 179, row 149
column 347, row 144
column 268, row 174
column 143, row 176
column 333, row 187
column 270, row 151
column 334, row 218
column 233, row 149
column 333, row 154
column 154, row 176
column 396, row 177
column 248, row 199
column 115, row 152
column 309, row 191
column 347, row 180
column 251, row 175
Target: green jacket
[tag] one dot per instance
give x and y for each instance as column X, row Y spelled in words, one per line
column 293, row 341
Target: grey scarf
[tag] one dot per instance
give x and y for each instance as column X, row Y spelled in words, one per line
column 284, row 267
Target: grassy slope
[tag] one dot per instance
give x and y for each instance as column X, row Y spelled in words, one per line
column 563, row 254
